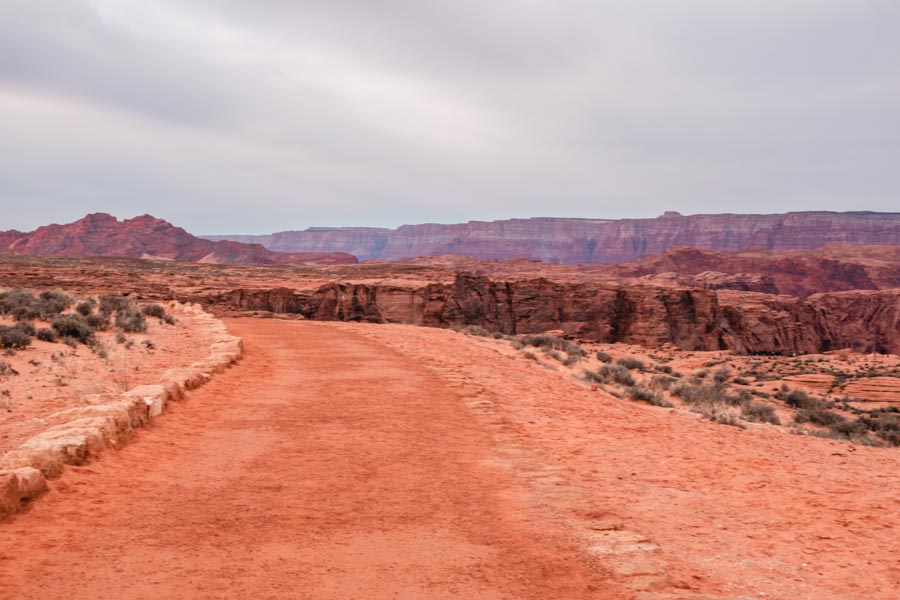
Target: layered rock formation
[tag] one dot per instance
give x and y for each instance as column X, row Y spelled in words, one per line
column 585, row 241
column 747, row 312
column 147, row 237
column 630, row 312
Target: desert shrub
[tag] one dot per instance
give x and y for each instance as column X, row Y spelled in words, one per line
column 98, row 322
column 26, row 327
column 72, row 327
column 721, row 375
column 571, row 359
column 719, row 413
column 529, row 355
column 851, row 429
column 741, row 381
column 84, row 308
column 45, row 335
column 662, row 382
column 864, row 440
column 549, row 342
column 603, row 357
column 631, row 363
column 818, row 416
column 51, row 304
column 697, row 393
column 760, row 413
column 636, row 392
column 131, row 321
column 799, row 399
column 6, row 369
column 885, row 422
column 14, row 337
column 553, row 354
column 610, row 374
column 729, row 419
column 110, row 304
column 663, row 369
column 19, row 304
column 155, row 310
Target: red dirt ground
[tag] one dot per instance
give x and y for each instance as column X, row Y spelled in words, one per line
column 367, row 461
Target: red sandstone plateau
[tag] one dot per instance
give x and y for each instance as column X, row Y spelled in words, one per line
column 693, row 425
column 147, row 237
column 591, row 240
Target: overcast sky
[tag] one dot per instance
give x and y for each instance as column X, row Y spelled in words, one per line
column 252, row 116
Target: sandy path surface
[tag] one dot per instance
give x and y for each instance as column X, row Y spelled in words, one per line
column 325, row 465
column 759, row 513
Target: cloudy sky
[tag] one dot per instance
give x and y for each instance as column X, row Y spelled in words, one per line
column 251, row 116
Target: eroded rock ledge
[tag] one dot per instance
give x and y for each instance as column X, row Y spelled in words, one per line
column 110, row 419
column 631, row 312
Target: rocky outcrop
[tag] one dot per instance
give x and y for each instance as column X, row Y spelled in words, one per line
column 147, row 237
column 107, row 421
column 593, row 240
column 861, row 320
column 634, row 313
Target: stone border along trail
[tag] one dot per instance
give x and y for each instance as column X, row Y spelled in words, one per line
column 83, row 432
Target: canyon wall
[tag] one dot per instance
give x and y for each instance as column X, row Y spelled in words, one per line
column 591, row 240
column 645, row 314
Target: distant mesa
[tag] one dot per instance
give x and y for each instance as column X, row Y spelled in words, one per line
column 584, row 241
column 147, row 237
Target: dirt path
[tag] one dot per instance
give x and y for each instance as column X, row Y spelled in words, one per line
column 324, row 466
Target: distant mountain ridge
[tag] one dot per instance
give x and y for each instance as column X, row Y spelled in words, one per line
column 100, row 234
column 574, row 241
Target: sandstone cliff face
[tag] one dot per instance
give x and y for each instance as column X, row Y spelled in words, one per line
column 147, row 237
column 519, row 297
column 594, row 241
column 693, row 319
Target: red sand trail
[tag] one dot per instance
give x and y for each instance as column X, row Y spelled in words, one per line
column 325, row 465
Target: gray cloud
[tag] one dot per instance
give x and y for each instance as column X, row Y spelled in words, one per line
column 249, row 116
